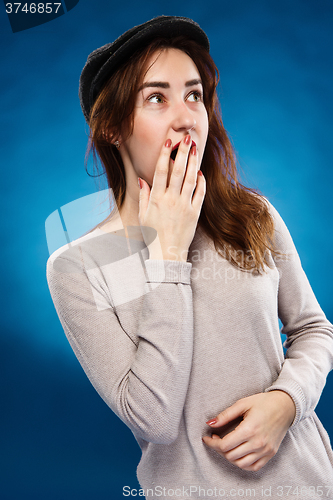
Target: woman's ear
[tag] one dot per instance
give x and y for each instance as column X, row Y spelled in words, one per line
column 112, row 139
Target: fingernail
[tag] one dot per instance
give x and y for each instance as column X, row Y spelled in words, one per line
column 199, row 172
column 213, row 420
column 167, row 143
column 187, row 140
column 194, row 150
column 140, row 183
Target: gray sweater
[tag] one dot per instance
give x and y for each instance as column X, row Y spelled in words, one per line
column 169, row 345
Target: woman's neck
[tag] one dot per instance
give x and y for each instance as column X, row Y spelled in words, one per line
column 127, row 215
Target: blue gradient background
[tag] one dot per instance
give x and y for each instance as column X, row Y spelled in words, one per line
column 58, row 439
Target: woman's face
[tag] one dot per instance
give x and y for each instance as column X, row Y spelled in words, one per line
column 169, row 105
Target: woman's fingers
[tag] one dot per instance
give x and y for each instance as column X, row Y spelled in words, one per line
column 200, row 191
column 172, row 209
column 183, row 178
column 162, row 170
column 191, row 173
column 241, row 446
column 252, row 461
column 256, row 465
column 143, row 198
column 180, row 165
column 245, row 449
column 266, row 419
column 245, row 456
column 237, row 454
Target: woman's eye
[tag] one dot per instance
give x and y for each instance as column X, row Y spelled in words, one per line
column 157, row 99
column 195, row 97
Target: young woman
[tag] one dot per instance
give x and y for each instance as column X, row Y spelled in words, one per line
column 172, row 304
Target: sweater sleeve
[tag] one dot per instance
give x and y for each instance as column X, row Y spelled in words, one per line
column 144, row 377
column 309, row 343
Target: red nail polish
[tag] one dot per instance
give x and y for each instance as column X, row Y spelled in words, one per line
column 187, row 140
column 194, row 150
column 167, row 143
column 140, row 183
column 212, row 421
column 199, row 172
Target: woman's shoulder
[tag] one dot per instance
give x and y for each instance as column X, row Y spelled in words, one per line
column 283, row 241
column 272, row 210
column 69, row 257
column 98, row 248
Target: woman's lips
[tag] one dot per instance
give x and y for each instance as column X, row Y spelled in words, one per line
column 175, row 149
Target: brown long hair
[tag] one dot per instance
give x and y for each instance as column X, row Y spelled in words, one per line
column 235, row 217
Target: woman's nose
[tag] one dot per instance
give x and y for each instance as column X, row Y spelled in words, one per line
column 183, row 118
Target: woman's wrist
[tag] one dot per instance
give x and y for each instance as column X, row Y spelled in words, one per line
column 287, row 402
column 156, row 252
column 167, row 256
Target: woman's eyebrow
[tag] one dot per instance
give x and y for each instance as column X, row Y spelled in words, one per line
column 163, row 85
column 196, row 81
column 166, row 85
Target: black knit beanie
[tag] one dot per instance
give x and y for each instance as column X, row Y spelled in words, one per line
column 103, row 62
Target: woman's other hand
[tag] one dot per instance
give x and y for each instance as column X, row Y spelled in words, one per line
column 173, row 209
column 266, row 419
